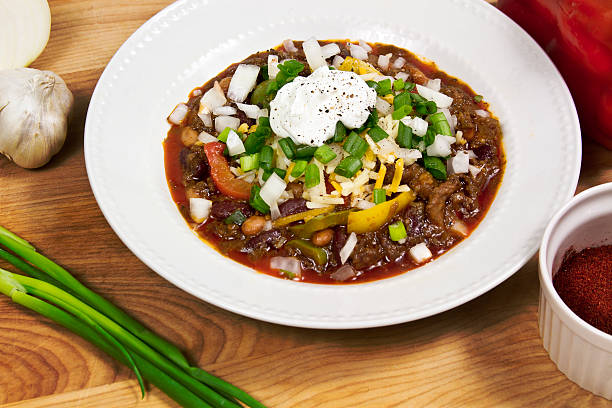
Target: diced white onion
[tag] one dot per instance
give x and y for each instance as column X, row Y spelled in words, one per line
column 460, row 227
column 399, row 62
column 383, row 61
column 221, row 122
column 329, row 50
column 434, row 84
column 348, row 247
column 440, row 147
column 206, row 137
column 274, row 211
column 289, row 46
column 199, row 209
column 382, row 106
column 251, row 111
column 337, row 61
column 224, row 110
column 178, row 114
column 482, row 113
column 441, row 100
column 272, row 189
column 263, row 112
column 365, row 46
column 268, row 225
column 449, row 119
column 471, row 154
column 212, row 99
column 286, row 263
column 313, row 53
column 420, row 253
column 358, row 52
column 474, row 170
column 402, row 75
column 234, row 144
column 459, row 163
column 449, row 139
column 206, row 119
column 418, row 125
column 273, row 66
column 343, row 273
column 242, row 82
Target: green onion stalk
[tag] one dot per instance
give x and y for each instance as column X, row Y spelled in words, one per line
column 54, row 293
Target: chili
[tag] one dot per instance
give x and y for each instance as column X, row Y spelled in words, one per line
column 584, row 282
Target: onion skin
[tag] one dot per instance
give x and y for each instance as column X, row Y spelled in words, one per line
column 34, row 109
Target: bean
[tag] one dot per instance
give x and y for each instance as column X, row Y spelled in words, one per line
column 253, row 225
column 323, row 237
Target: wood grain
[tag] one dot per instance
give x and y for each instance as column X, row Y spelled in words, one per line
column 484, row 353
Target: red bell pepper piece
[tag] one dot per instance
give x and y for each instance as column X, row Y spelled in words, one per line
column 577, row 35
column 220, row 172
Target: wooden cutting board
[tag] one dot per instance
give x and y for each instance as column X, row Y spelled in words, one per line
column 484, row 353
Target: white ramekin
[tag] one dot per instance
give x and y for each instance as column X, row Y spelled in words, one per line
column 582, row 352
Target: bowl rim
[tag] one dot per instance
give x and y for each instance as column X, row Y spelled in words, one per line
column 576, row 323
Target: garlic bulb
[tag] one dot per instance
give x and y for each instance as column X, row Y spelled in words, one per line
column 34, row 108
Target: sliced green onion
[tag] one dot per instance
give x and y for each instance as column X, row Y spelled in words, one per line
column 421, row 108
column 430, row 136
column 280, row 172
column 377, row 134
column 435, row 166
column 312, row 177
column 264, row 72
column 348, row 167
column 263, row 121
column 299, row 168
column 286, row 273
column 399, row 84
column 288, row 146
column 431, row 107
column 384, row 87
column 379, row 195
column 409, row 86
column 257, row 202
column 478, row 98
column 224, row 134
column 416, row 98
column 324, row 154
column 373, row 85
column 404, row 136
column 397, row 231
column 355, row 145
column 440, row 124
column 237, row 217
column 266, row 156
column 255, row 141
column 305, row 152
column 249, row 162
column 401, row 112
column 401, row 100
column 340, row 133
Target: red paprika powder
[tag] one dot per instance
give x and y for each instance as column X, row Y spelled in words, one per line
column 584, row 282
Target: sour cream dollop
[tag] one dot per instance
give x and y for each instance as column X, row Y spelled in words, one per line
column 308, row 108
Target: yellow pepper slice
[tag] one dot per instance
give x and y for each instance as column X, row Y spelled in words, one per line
column 281, row 222
column 397, row 176
column 381, row 176
column 373, row 218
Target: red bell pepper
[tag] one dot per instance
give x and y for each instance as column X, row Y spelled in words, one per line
column 220, row 172
column 577, row 35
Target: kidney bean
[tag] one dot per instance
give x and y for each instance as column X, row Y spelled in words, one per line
column 292, row 206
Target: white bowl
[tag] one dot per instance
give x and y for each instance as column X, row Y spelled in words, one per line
column 582, row 352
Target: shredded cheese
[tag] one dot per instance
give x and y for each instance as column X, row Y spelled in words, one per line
column 381, row 176
column 336, row 186
column 252, row 128
column 243, row 128
column 389, row 98
column 289, row 170
column 397, row 176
